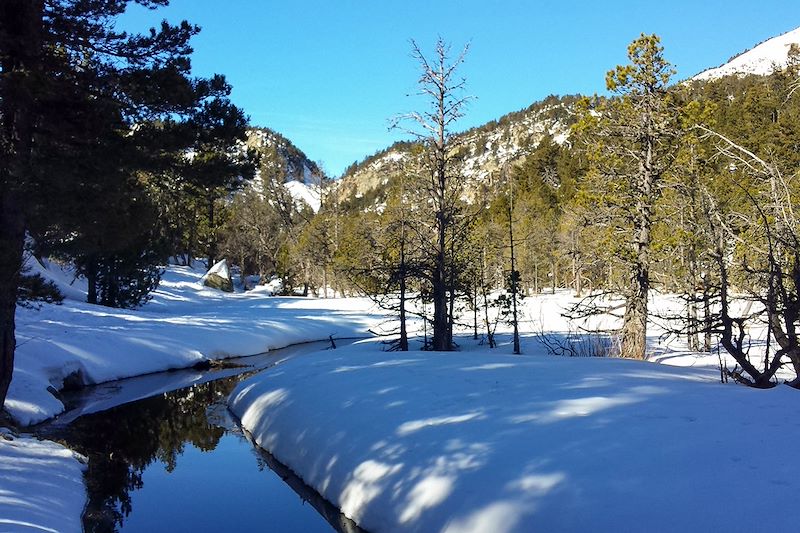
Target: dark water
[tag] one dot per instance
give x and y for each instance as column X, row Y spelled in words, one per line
column 177, row 461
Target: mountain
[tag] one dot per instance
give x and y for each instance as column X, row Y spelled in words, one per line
column 298, row 166
column 485, row 150
column 508, row 140
column 760, row 60
column 306, row 193
column 302, row 177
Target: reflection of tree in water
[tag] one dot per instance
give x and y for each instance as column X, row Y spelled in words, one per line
column 123, row 441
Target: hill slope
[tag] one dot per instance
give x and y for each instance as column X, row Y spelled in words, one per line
column 485, row 149
column 301, row 176
column 760, row 60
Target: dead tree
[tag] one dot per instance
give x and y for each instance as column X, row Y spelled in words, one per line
column 441, row 85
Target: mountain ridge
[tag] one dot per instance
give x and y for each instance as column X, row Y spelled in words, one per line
column 759, row 60
column 511, row 137
column 484, row 149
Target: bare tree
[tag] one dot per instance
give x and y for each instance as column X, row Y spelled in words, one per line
column 766, row 241
column 441, row 85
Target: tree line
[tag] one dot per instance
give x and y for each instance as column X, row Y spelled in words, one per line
column 685, row 188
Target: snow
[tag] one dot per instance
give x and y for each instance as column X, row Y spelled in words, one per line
column 62, row 276
column 761, row 60
column 305, row 193
column 183, row 325
column 476, row 440
column 482, row 440
column 220, row 268
column 42, row 486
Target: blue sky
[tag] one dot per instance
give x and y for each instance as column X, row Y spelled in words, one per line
column 328, row 74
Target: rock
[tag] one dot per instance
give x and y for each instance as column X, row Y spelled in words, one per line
column 219, row 277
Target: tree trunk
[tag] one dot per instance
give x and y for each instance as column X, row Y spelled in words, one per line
column 634, row 326
column 693, row 339
column 513, row 278
column 475, row 313
column 212, row 240
column 439, row 293
column 577, row 273
column 21, row 24
column 91, row 281
column 451, row 303
column 403, row 346
column 192, row 237
column 489, row 334
column 12, row 240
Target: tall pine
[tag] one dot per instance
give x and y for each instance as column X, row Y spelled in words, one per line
column 53, row 54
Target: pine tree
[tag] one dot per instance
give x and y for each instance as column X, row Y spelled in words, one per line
column 631, row 148
column 50, row 58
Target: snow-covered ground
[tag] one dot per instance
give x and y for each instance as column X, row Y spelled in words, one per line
column 41, row 486
column 478, row 440
column 482, row 440
column 182, row 325
column 41, row 483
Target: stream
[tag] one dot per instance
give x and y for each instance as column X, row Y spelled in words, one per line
column 165, row 454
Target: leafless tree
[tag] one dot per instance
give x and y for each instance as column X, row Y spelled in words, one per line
column 441, row 85
column 767, row 242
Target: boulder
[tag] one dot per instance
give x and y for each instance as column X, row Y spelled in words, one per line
column 219, row 277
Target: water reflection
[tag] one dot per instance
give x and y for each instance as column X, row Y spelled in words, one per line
column 176, row 461
column 122, row 442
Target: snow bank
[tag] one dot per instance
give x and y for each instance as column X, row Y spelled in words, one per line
column 42, row 488
column 483, row 441
column 184, row 324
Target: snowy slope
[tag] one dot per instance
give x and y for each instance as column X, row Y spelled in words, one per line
column 307, row 194
column 761, row 60
column 482, row 440
column 183, row 325
column 42, row 486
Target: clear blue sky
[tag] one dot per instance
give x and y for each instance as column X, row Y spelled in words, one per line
column 328, row 74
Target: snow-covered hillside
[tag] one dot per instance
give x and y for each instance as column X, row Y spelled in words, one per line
column 486, row 149
column 306, row 193
column 296, row 164
column 301, row 176
column 761, row 60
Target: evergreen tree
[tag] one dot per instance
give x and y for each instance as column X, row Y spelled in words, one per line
column 53, row 54
column 631, row 147
column 217, row 164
